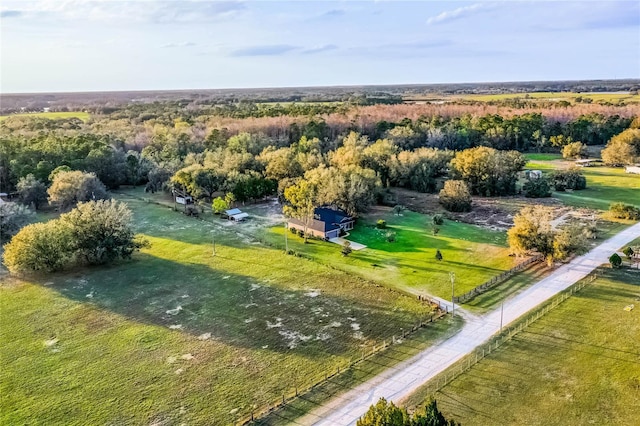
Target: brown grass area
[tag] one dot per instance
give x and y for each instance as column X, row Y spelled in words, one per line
column 496, row 213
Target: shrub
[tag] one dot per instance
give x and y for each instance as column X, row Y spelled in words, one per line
column 537, row 188
column 438, row 219
column 390, row 237
column 455, row 196
column 568, row 179
column 438, row 255
column 628, row 252
column 398, row 209
column 346, row 248
column 381, row 224
column 95, row 232
column 615, row 260
column 574, row 150
column 219, row 205
column 385, row 413
column 435, row 230
column 39, row 247
column 624, row 211
column 13, row 217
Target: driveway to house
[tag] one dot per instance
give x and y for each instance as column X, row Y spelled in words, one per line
column 354, row 245
column 401, row 381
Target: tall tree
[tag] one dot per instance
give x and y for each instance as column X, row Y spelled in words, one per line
column 32, row 191
column 101, row 231
column 69, row 188
column 301, row 203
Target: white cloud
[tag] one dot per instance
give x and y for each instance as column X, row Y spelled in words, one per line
column 181, row 44
column 458, row 13
column 128, row 10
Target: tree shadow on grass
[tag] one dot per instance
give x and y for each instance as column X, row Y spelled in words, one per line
column 236, row 309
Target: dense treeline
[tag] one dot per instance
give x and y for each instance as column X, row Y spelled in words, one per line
column 161, row 145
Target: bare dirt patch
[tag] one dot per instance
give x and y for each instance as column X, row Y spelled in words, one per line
column 496, row 213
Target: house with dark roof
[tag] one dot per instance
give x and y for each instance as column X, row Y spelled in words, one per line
column 327, row 223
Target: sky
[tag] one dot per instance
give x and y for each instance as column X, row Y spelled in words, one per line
column 75, row 45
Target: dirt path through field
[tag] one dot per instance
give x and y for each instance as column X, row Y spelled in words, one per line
column 400, row 382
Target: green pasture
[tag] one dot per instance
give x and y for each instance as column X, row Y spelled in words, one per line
column 473, row 253
column 605, row 185
column 579, row 364
column 84, row 116
column 179, row 336
column 559, row 96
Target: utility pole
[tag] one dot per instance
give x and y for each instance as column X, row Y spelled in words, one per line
column 452, row 276
column 286, row 241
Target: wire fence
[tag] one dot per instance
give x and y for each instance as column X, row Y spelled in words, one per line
column 466, row 363
column 310, row 383
column 482, row 288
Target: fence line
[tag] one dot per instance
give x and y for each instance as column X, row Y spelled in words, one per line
column 307, row 386
column 496, row 280
column 504, row 336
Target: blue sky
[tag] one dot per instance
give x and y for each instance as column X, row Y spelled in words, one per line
column 74, row 45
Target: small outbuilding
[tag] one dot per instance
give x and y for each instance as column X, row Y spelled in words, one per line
column 236, row 215
column 532, row 174
column 585, row 163
column 632, row 169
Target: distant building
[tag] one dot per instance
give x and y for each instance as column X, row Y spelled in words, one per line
column 532, row 174
column 235, row 215
column 632, row 169
column 585, row 163
column 182, row 197
column 327, row 223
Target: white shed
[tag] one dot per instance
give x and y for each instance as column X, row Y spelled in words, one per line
column 632, row 169
column 236, row 214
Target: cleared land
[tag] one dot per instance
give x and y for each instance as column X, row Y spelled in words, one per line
column 177, row 335
column 560, row 96
column 579, row 364
column 84, row 116
column 473, row 253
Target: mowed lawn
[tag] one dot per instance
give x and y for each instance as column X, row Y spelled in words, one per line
column 579, row 364
column 473, row 253
column 178, row 336
column 605, row 185
column 84, row 116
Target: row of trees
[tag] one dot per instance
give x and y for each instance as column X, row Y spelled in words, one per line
column 124, row 150
column 68, row 187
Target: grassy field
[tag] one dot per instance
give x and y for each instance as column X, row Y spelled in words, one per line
column 579, row 364
column 559, row 96
column 84, row 116
column 362, row 372
column 178, row 336
column 507, row 289
column 473, row 253
column 605, row 185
